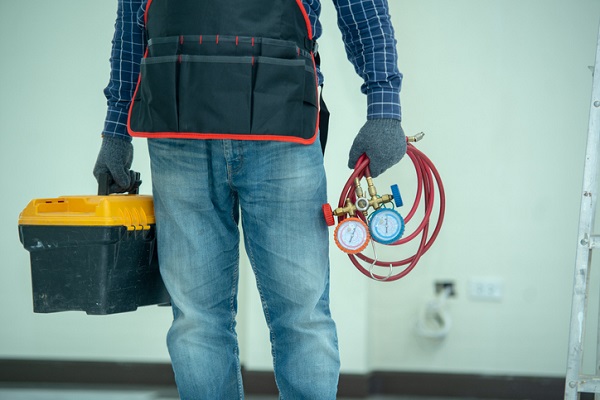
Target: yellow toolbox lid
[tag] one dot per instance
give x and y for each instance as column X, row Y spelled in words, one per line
column 136, row 212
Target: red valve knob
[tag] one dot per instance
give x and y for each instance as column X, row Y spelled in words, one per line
column 328, row 214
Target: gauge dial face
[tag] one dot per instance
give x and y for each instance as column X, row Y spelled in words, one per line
column 386, row 225
column 352, row 235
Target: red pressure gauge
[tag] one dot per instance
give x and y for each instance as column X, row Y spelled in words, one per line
column 352, row 235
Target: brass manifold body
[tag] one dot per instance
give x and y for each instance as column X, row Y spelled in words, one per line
column 362, row 203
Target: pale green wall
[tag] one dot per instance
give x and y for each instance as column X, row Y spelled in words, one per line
column 501, row 88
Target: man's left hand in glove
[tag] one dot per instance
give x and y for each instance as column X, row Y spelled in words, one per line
column 383, row 141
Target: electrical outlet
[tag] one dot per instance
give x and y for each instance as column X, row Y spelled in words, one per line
column 441, row 285
column 486, row 288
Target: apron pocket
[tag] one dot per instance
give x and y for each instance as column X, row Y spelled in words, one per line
column 155, row 107
column 215, row 94
column 278, row 98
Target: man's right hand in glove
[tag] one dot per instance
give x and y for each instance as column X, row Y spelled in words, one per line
column 115, row 158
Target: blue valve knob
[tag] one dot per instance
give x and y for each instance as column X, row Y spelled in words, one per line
column 396, row 196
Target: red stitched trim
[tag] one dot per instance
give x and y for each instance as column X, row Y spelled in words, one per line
column 146, row 12
column 234, row 136
column 306, row 19
column 137, row 87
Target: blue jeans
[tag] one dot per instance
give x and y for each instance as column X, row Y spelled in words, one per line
column 200, row 187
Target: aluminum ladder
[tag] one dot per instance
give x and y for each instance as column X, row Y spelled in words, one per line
column 576, row 382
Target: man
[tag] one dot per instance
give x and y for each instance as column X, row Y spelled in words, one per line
column 227, row 93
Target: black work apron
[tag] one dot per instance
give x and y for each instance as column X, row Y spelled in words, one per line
column 237, row 69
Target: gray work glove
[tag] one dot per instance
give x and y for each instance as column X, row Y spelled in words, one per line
column 383, row 141
column 115, row 158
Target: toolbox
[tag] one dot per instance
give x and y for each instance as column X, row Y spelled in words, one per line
column 92, row 253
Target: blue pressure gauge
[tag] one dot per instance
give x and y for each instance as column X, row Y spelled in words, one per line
column 386, row 225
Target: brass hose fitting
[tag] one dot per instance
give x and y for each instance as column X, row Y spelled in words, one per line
column 415, row 138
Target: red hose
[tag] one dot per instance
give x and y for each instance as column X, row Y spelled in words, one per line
column 428, row 179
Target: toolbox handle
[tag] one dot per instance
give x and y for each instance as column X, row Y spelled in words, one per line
column 105, row 180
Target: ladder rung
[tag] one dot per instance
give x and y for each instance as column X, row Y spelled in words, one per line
column 592, row 241
column 587, row 384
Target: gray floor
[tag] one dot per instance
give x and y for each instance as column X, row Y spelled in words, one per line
column 16, row 392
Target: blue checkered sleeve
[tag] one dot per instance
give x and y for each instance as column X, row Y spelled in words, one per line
column 371, row 47
column 127, row 52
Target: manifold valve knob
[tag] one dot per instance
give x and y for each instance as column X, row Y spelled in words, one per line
column 396, row 195
column 328, row 214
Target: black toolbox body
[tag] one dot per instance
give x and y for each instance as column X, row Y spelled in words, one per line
column 92, row 253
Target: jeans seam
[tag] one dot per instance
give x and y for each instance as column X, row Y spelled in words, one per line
column 264, row 305
column 232, row 325
column 232, row 299
column 230, row 159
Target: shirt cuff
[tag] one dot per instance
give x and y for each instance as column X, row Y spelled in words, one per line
column 115, row 124
column 383, row 104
